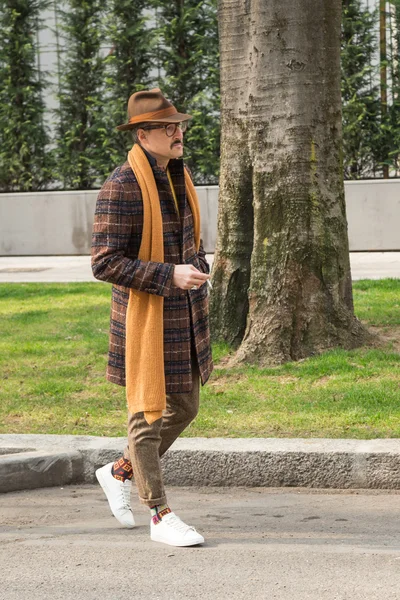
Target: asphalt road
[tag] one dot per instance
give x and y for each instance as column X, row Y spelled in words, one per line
column 63, row 543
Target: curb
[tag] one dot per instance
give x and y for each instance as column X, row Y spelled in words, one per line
column 34, row 461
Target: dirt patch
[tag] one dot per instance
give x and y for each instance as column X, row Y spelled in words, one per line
column 285, row 379
column 322, row 381
column 385, row 337
column 224, row 380
column 224, row 361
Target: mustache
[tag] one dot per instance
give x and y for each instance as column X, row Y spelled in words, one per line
column 176, row 142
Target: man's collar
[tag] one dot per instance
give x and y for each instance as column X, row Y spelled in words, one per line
column 174, row 164
column 151, row 159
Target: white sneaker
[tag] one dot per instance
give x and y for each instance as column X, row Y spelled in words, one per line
column 174, row 532
column 118, row 495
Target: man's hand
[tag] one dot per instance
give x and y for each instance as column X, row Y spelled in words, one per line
column 186, row 276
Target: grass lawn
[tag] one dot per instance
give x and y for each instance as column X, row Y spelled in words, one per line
column 53, row 352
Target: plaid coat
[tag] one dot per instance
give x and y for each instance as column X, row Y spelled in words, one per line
column 117, row 232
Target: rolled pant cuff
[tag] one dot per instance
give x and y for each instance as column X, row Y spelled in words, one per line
column 154, row 502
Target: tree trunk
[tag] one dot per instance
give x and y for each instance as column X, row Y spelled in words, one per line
column 281, row 275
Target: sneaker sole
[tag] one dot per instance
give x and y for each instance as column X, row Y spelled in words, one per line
column 181, row 545
column 100, row 479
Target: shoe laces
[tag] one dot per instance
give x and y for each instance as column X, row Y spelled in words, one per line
column 176, row 523
column 126, row 495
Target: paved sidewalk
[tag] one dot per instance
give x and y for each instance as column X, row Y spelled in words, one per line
column 34, row 461
column 364, row 265
column 64, row 544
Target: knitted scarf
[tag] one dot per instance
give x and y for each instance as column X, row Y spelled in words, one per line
column 144, row 359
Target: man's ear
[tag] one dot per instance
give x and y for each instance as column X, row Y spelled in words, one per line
column 141, row 134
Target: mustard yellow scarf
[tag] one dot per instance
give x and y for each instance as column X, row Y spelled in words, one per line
column 144, row 360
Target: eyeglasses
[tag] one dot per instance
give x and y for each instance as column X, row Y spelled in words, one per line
column 170, row 129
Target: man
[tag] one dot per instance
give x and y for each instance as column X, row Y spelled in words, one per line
column 146, row 242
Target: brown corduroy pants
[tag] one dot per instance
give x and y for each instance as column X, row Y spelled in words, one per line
column 147, row 443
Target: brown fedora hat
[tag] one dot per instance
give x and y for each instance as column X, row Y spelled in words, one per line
column 150, row 106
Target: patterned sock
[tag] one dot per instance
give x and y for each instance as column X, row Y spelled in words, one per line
column 122, row 469
column 158, row 512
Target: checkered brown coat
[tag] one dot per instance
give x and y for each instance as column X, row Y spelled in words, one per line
column 116, row 240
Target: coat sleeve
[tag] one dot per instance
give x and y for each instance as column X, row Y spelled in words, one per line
column 201, row 255
column 110, row 238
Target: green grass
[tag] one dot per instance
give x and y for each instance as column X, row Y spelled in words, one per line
column 378, row 302
column 53, row 352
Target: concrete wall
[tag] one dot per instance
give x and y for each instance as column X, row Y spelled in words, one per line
column 51, row 223
column 373, row 214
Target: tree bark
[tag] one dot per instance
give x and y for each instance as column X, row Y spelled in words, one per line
column 281, row 278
